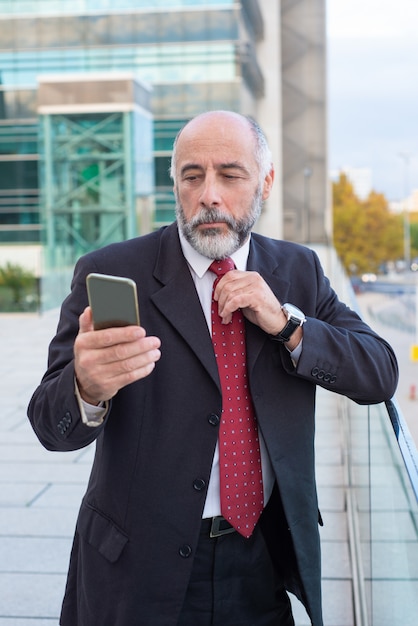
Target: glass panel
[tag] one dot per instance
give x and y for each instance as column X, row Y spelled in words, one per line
column 97, row 30
column 20, row 235
column 26, row 33
column 143, row 156
column 157, row 63
column 18, row 140
column 19, row 175
column 71, row 6
column 189, row 100
column 164, row 209
column 385, row 514
column 7, row 34
column 394, row 532
column 162, row 175
column 165, row 132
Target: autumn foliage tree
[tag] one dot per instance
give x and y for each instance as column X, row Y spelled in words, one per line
column 366, row 233
column 414, row 233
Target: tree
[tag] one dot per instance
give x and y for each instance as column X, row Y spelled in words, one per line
column 366, row 234
column 414, row 234
column 18, row 280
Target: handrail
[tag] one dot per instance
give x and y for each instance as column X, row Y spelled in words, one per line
column 406, row 443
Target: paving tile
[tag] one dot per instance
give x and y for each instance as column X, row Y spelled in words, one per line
column 327, row 476
column 28, row 621
column 25, row 595
column 401, row 612
column 62, row 496
column 37, row 522
column 332, row 499
column 23, row 494
column 389, row 526
column 392, row 560
column 335, row 526
column 35, row 555
column 338, row 603
column 44, row 472
column 336, row 563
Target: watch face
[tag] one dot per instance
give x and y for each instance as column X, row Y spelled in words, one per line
column 294, row 311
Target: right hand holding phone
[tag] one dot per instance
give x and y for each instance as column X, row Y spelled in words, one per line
column 107, row 360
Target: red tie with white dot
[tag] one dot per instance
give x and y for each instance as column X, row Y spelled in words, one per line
column 241, row 481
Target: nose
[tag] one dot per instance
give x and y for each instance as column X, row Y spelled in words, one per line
column 210, row 191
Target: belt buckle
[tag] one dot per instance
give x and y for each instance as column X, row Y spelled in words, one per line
column 215, row 529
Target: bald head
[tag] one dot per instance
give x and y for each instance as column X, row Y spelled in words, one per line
column 224, row 126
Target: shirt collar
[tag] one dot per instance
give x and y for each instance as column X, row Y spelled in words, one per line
column 200, row 264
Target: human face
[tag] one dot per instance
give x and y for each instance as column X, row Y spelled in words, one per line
column 217, row 183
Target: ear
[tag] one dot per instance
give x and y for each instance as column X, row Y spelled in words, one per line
column 268, row 183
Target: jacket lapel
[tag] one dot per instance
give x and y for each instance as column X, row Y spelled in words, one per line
column 268, row 266
column 178, row 301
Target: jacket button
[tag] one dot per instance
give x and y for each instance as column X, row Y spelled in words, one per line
column 214, row 419
column 333, row 380
column 199, row 484
column 315, row 371
column 321, row 374
column 327, row 378
column 185, row 551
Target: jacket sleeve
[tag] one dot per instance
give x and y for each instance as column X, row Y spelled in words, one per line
column 341, row 352
column 54, row 410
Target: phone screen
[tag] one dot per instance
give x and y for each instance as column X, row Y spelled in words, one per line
column 113, row 300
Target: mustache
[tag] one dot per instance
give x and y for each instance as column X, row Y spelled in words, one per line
column 211, row 216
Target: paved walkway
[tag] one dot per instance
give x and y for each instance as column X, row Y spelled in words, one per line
column 40, row 493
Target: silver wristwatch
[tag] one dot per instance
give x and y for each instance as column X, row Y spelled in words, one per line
column 295, row 318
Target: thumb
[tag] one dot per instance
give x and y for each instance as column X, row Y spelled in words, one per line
column 86, row 320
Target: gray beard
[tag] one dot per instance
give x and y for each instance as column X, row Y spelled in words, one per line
column 212, row 242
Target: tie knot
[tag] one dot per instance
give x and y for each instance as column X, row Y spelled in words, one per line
column 222, row 267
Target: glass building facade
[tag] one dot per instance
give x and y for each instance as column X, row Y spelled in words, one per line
column 195, row 55
column 189, row 51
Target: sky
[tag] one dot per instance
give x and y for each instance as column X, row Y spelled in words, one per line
column 373, row 91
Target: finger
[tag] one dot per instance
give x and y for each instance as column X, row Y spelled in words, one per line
column 118, row 335
column 129, row 370
column 231, row 295
column 86, row 320
column 129, row 351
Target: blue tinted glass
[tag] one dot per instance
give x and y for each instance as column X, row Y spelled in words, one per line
column 156, row 63
column 63, row 7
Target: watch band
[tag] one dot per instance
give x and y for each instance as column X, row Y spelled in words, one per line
column 284, row 335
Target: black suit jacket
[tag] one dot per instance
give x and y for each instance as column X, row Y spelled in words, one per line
column 139, row 521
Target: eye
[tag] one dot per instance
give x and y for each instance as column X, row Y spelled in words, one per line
column 190, row 178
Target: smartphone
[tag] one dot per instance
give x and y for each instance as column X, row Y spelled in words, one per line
column 113, row 300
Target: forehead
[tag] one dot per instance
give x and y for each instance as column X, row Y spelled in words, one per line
column 217, row 139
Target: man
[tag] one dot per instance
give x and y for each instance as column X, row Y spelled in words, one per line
column 152, row 545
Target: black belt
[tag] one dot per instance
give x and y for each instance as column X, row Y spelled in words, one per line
column 216, row 526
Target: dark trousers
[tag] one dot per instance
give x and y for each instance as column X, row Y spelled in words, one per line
column 234, row 583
